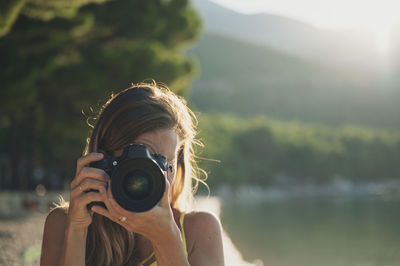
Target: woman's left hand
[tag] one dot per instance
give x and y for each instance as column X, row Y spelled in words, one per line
column 150, row 224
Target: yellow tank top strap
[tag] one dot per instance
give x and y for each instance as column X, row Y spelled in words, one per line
column 183, row 232
column 147, row 259
column 181, row 220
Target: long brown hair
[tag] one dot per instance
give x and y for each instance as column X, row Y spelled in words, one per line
column 139, row 109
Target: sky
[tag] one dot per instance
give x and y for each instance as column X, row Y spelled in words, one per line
column 338, row 14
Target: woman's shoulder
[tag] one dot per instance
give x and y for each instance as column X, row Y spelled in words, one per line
column 202, row 230
column 58, row 213
column 53, row 234
column 56, row 219
column 197, row 220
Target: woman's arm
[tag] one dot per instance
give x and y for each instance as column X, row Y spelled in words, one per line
column 53, row 237
column 169, row 249
column 62, row 244
column 65, row 232
column 157, row 225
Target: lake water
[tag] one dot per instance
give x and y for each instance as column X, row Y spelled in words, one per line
column 312, row 231
column 316, row 231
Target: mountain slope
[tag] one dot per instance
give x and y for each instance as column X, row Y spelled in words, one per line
column 344, row 48
column 243, row 78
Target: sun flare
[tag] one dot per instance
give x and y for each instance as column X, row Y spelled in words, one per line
column 383, row 40
column 380, row 17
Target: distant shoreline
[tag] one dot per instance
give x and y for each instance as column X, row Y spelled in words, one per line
column 340, row 188
column 17, row 203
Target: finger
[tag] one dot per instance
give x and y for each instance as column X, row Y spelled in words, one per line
column 86, row 198
column 88, row 184
column 88, row 158
column 165, row 198
column 108, row 202
column 91, row 172
column 107, row 213
column 103, row 211
column 109, row 193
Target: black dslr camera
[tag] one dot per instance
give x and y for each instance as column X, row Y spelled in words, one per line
column 137, row 178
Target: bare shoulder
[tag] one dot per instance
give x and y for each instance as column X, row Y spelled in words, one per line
column 198, row 222
column 58, row 213
column 56, row 223
column 53, row 235
column 204, row 238
column 57, row 218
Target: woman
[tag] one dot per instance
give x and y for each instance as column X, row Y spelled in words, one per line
column 165, row 235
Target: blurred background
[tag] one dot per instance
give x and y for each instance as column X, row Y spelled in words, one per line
column 298, row 105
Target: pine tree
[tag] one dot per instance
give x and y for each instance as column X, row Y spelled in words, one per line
column 61, row 57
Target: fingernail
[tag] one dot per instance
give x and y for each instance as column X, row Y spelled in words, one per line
column 99, row 155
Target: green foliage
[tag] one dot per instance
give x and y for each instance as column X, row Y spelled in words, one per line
column 60, row 59
column 262, row 151
column 10, row 10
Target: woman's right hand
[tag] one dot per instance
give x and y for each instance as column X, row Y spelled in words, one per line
column 86, row 179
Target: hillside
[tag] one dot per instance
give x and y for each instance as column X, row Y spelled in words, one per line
column 244, row 78
column 344, row 48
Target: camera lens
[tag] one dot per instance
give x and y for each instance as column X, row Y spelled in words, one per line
column 137, row 185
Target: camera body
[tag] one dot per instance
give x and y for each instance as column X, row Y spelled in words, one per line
column 137, row 178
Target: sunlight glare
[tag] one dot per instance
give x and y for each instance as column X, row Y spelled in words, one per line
column 383, row 40
column 325, row 13
column 378, row 17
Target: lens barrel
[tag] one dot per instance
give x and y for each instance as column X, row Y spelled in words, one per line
column 138, row 184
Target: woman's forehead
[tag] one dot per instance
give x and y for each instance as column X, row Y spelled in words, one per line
column 162, row 141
